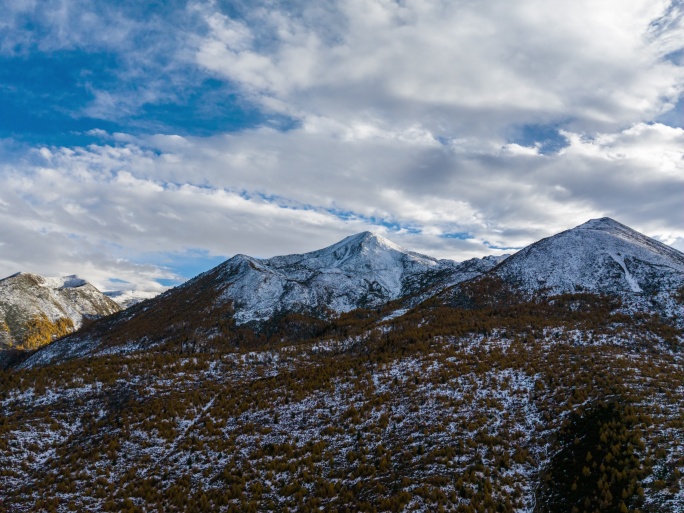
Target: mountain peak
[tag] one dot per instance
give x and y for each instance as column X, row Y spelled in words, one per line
column 604, row 224
column 363, row 237
column 361, row 270
column 369, row 240
column 22, row 274
column 601, row 255
column 71, row 281
column 27, row 296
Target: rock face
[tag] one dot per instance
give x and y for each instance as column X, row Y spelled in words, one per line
column 32, row 302
column 599, row 256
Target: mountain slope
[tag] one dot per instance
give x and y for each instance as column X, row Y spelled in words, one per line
column 31, row 305
column 599, row 256
column 524, row 407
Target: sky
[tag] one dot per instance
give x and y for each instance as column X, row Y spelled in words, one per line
column 142, row 143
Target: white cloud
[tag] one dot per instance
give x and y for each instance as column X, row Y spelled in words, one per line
column 266, row 192
column 457, row 66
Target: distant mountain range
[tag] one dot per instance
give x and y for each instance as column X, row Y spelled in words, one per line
column 366, row 271
column 126, row 298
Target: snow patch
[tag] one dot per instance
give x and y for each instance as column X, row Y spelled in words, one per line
column 630, row 279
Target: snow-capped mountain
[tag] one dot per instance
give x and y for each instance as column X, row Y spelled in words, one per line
column 128, row 298
column 25, row 297
column 361, row 271
column 599, row 256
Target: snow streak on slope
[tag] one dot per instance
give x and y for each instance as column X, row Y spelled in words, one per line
column 599, row 256
column 630, row 279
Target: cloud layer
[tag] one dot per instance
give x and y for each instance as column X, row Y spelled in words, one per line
column 455, row 66
column 400, row 117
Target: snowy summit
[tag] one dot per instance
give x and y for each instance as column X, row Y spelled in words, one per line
column 362, row 270
column 601, row 256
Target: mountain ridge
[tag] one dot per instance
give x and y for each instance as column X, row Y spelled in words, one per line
column 296, row 296
column 362, row 270
column 247, row 293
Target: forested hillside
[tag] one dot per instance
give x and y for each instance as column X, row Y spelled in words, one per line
column 560, row 404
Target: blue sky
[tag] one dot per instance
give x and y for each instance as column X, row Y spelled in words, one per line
column 144, row 142
column 45, row 98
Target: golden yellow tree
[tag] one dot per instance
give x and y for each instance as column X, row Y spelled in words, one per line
column 40, row 331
